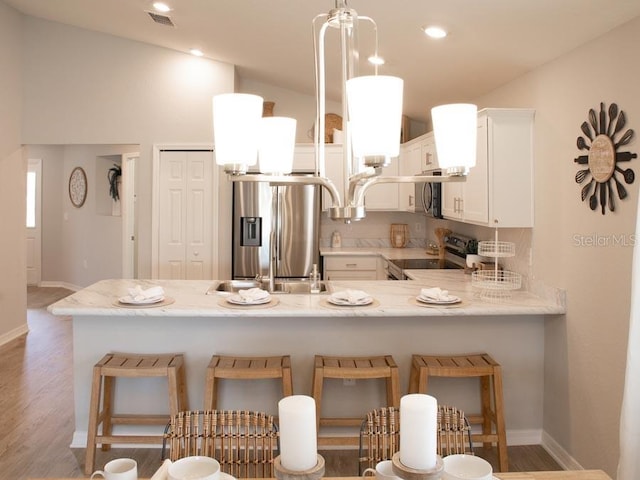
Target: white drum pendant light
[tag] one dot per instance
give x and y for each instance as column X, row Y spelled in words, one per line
column 236, row 127
column 276, row 145
column 375, row 117
column 455, row 128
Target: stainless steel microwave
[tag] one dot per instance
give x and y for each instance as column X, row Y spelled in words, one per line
column 429, row 196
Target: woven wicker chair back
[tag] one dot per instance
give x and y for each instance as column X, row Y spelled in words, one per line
column 380, row 435
column 244, row 442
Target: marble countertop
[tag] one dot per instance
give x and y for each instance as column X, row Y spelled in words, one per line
column 392, row 299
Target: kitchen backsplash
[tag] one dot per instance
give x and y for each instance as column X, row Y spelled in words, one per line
column 374, row 230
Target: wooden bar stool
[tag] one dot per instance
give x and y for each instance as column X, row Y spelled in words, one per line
column 353, row 368
column 245, row 368
column 470, row 365
column 115, row 365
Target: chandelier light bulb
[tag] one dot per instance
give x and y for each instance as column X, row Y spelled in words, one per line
column 276, row 145
column 375, row 115
column 236, row 129
column 455, row 128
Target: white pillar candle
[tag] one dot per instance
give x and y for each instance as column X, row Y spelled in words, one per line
column 418, row 431
column 298, row 443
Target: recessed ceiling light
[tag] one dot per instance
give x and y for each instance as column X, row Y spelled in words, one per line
column 376, row 60
column 161, row 7
column 434, row 32
column 196, row 52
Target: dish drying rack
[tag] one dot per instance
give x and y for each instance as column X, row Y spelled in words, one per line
column 496, row 284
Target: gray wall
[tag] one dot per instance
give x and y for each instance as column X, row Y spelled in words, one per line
column 585, row 352
column 82, row 87
column 13, row 169
column 79, row 245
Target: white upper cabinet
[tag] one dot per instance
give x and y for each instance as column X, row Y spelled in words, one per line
column 384, row 196
column 468, row 201
column 428, row 154
column 334, row 170
column 416, row 156
column 304, row 158
column 378, row 197
column 409, row 164
column 499, row 189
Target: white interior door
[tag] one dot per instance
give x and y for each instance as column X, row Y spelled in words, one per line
column 128, row 200
column 185, row 215
column 33, row 222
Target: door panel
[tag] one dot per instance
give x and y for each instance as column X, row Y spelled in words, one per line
column 185, row 234
column 33, row 234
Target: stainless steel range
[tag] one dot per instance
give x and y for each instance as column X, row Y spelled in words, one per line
column 455, row 248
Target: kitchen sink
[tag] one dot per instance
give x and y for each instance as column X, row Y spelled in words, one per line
column 298, row 287
column 287, row 286
column 232, row 286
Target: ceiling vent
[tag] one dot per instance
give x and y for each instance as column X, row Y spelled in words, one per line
column 161, row 19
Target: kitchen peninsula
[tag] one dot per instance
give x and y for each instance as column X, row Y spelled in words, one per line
column 201, row 325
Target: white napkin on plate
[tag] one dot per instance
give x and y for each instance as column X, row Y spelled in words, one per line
column 138, row 294
column 253, row 294
column 351, row 296
column 163, row 472
column 435, row 293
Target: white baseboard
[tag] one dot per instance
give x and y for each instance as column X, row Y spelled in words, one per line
column 524, row 437
column 514, row 437
column 68, row 286
column 13, row 334
column 559, row 454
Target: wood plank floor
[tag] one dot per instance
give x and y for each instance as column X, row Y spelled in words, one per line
column 36, row 409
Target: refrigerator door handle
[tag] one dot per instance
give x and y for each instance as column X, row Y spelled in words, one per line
column 278, row 216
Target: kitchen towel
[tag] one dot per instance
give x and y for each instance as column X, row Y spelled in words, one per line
column 352, row 296
column 435, row 293
column 138, row 294
column 253, row 294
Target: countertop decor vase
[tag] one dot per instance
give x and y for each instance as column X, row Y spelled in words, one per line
column 399, row 235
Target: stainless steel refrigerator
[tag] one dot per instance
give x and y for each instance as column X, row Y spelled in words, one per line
column 292, row 212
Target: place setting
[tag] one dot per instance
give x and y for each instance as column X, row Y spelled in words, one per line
column 350, row 298
column 139, row 297
column 250, row 297
column 436, row 297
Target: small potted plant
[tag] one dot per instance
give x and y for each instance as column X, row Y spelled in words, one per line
column 472, row 254
column 114, row 175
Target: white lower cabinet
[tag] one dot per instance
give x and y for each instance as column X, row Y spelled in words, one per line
column 499, row 189
column 351, row 267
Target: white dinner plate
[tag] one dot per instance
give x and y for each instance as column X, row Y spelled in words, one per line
column 344, row 302
column 238, row 300
column 452, row 299
column 226, row 476
column 129, row 300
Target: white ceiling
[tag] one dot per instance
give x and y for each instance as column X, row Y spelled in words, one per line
column 491, row 41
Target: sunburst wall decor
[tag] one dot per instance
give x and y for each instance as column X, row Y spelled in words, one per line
column 602, row 160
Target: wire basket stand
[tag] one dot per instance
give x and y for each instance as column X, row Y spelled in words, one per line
column 496, row 285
